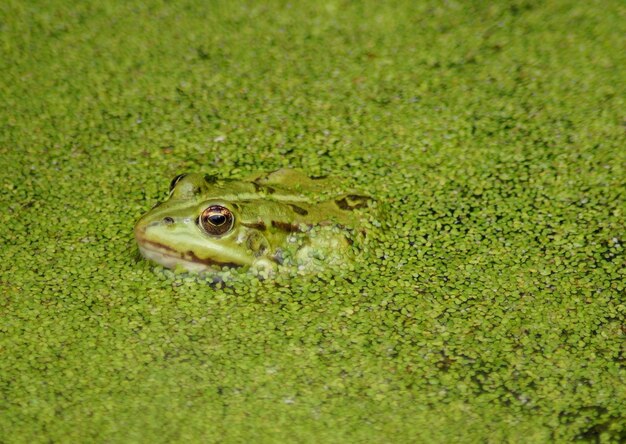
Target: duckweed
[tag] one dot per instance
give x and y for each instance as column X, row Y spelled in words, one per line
column 488, row 308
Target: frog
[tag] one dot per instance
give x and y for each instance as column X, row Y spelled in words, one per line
column 265, row 222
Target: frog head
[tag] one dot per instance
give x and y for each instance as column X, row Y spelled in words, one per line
column 197, row 231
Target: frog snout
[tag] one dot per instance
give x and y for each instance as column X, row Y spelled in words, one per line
column 140, row 229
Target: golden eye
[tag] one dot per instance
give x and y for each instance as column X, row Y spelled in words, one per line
column 216, row 220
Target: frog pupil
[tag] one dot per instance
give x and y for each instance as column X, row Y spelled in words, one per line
column 217, row 219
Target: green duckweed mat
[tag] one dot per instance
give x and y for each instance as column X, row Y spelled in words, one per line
column 490, row 308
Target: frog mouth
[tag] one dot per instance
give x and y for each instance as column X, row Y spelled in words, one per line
column 171, row 258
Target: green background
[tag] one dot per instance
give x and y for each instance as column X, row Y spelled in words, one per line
column 490, row 307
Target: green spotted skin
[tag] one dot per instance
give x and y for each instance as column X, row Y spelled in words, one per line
column 263, row 222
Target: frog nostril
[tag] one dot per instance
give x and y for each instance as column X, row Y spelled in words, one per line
column 168, row 220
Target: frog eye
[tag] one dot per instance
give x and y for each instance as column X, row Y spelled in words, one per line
column 216, row 220
column 175, row 181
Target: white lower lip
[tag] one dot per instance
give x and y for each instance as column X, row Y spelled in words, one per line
column 167, row 260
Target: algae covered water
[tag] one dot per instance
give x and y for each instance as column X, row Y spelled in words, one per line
column 489, row 306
